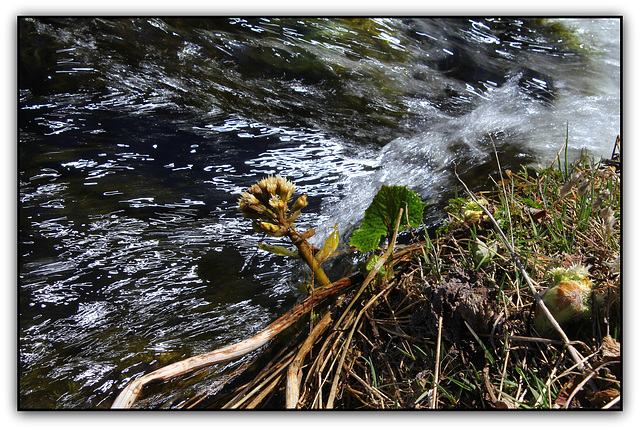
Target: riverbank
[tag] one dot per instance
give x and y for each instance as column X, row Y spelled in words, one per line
column 455, row 324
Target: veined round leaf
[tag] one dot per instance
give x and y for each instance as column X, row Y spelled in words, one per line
column 380, row 217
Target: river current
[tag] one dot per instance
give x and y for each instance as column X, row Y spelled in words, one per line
column 136, row 136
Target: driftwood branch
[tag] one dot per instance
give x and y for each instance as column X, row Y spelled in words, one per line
column 130, row 394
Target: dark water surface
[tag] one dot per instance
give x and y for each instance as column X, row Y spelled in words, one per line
column 137, row 135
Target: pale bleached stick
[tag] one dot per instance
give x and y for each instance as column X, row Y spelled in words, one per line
column 434, row 397
column 294, row 371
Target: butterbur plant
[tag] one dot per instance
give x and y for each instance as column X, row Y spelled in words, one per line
column 267, row 204
column 467, row 211
column 568, row 299
column 472, row 211
column 380, row 221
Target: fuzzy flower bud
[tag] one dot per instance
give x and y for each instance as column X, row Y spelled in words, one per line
column 568, row 299
column 247, row 200
column 251, row 207
column 255, row 189
column 576, row 272
column 567, row 187
column 276, row 203
column 597, row 203
column 608, row 218
column 285, row 188
column 582, row 188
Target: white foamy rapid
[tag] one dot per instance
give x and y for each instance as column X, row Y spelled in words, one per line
column 587, row 104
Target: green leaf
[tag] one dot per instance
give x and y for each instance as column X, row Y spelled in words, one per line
column 380, row 217
column 370, row 263
column 531, row 203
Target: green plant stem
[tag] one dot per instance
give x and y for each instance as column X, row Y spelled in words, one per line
column 306, row 253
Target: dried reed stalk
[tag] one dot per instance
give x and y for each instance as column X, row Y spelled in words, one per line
column 434, row 397
column 243, row 397
column 368, row 279
column 294, row 371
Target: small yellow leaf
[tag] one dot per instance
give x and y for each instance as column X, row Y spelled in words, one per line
column 330, row 245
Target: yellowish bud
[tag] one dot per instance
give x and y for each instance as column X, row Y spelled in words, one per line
column 472, row 211
column 472, row 217
column 330, row 245
column 568, row 299
column 271, row 229
column 300, row 203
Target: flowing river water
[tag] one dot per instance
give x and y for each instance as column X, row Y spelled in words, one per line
column 136, row 137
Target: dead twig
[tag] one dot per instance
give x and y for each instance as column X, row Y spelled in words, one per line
column 273, row 373
column 585, row 380
column 434, row 397
column 504, row 191
column 262, row 394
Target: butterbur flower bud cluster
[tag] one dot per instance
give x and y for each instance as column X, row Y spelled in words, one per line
column 473, row 212
column 568, row 299
column 267, row 203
